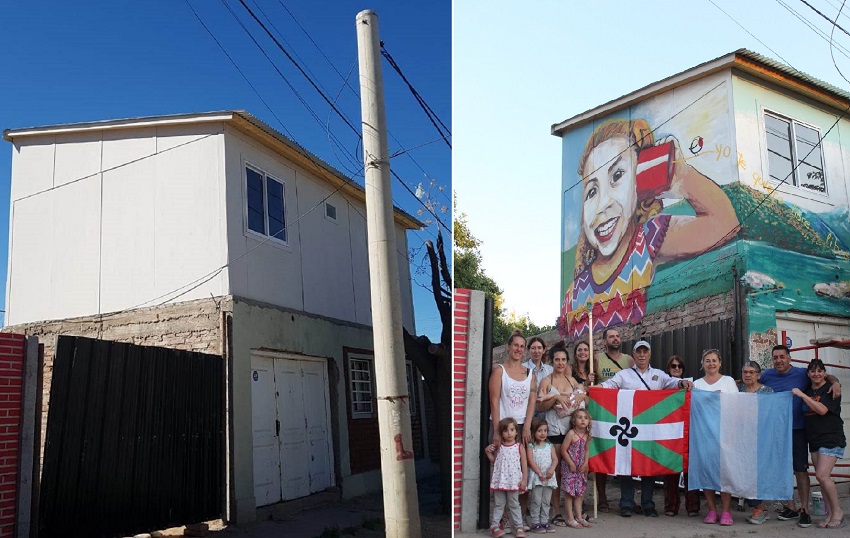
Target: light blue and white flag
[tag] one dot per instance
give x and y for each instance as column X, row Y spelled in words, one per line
column 741, row 444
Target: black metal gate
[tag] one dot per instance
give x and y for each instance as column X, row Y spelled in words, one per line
column 135, row 439
column 690, row 342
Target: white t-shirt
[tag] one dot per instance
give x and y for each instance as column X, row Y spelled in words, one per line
column 724, row 384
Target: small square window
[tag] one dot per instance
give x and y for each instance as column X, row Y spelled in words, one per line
column 330, row 211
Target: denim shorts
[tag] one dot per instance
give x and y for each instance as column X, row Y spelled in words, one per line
column 837, row 452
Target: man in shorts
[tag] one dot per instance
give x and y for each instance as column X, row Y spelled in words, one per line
column 784, row 377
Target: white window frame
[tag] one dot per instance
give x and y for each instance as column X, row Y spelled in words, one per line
column 266, row 178
column 336, row 211
column 795, row 179
column 369, row 362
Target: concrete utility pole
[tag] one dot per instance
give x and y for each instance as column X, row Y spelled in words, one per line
column 401, row 507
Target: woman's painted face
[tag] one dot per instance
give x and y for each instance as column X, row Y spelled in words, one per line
column 711, row 363
column 559, row 361
column 610, row 194
column 582, row 353
column 536, row 350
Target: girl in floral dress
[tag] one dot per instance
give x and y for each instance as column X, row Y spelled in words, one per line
column 510, row 477
column 574, row 452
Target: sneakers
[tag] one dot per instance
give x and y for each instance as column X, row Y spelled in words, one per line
column 519, row 532
column 538, row 528
column 625, row 512
column 726, row 519
column 496, row 532
column 711, row 517
column 787, row 514
column 805, row 519
column 758, row 517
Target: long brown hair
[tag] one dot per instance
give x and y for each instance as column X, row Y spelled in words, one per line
column 639, row 136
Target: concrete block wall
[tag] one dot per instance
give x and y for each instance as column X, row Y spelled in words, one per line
column 12, row 356
column 704, row 310
column 191, row 325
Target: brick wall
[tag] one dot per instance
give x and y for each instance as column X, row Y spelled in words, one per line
column 192, row 325
column 460, row 334
column 11, row 391
column 703, row 310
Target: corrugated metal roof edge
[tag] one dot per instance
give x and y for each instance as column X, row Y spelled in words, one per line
column 698, row 71
column 407, row 219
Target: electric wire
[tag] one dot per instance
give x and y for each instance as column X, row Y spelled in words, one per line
column 833, row 22
column 750, row 33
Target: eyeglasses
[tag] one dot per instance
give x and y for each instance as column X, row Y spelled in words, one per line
column 677, row 366
column 712, row 350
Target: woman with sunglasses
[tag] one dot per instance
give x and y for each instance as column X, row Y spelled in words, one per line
column 672, row 499
column 714, row 381
column 750, row 374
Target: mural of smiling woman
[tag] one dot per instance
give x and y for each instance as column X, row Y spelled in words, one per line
column 624, row 235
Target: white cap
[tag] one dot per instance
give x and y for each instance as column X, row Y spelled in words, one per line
column 642, row 343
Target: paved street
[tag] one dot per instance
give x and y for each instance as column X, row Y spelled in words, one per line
column 682, row 526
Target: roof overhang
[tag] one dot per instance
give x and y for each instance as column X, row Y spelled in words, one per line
column 239, row 120
column 743, row 61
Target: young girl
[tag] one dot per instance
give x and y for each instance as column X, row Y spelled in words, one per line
column 542, row 460
column 510, row 475
column 574, row 451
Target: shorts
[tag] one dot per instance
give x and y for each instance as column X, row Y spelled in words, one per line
column 799, row 452
column 556, row 439
column 836, row 452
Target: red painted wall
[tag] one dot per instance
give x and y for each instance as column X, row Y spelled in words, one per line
column 11, row 392
column 460, row 345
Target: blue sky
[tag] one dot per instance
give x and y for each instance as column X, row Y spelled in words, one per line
column 95, row 60
column 518, row 71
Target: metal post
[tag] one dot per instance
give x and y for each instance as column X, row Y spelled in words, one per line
column 486, row 368
column 398, row 473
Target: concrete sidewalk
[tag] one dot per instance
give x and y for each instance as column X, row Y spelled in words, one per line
column 682, row 526
column 360, row 517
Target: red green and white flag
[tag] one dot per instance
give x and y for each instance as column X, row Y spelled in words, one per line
column 639, row 432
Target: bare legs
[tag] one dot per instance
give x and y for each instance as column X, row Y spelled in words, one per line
column 710, row 499
column 823, row 468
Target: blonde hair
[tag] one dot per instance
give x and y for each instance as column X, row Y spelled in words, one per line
column 639, row 136
column 573, row 418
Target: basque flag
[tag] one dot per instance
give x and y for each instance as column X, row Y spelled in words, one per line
column 638, row 432
column 741, row 444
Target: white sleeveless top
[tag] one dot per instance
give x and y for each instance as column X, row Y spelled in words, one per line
column 513, row 401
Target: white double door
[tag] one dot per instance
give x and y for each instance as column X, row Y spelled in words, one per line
column 293, row 455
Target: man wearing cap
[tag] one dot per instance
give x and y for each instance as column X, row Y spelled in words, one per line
column 642, row 376
column 785, row 377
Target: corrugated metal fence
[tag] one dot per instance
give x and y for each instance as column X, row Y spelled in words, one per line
column 134, row 439
column 689, row 343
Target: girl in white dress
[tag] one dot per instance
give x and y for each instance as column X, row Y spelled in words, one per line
column 510, row 477
column 542, row 463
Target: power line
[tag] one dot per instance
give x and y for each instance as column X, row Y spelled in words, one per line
column 750, row 33
column 833, row 22
column 300, row 69
column 429, row 112
column 812, row 27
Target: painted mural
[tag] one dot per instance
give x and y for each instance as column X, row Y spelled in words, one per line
column 662, row 207
column 638, row 197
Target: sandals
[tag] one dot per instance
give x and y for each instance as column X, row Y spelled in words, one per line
column 670, row 513
column 573, row 524
column 828, row 523
column 711, row 517
column 583, row 522
column 559, row 521
column 726, row 519
column 603, row 507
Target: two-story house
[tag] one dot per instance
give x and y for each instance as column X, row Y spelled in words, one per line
column 718, row 195
column 213, row 232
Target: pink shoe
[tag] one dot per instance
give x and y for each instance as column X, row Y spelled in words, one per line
column 711, row 517
column 726, row 519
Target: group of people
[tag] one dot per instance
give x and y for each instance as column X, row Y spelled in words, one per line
column 541, row 432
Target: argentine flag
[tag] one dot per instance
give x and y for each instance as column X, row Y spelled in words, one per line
column 741, row 444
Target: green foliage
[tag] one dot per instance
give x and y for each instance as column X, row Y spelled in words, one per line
column 773, row 222
column 504, row 325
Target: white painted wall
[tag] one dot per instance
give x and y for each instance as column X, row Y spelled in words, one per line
column 751, row 99
column 323, row 267
column 88, row 235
